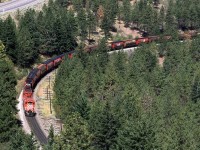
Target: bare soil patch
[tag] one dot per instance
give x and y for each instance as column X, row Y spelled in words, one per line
column 125, row 31
column 161, row 61
column 20, row 85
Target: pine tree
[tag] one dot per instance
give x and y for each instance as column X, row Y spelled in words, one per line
column 51, row 141
column 193, row 15
column 75, row 134
column 28, row 20
column 157, row 80
column 83, row 23
column 176, row 54
column 9, row 37
column 77, row 4
column 70, row 91
column 22, row 141
column 154, row 26
column 103, row 126
column 171, row 27
column 195, row 50
column 147, row 17
column 120, row 66
column 135, row 16
column 195, row 94
column 126, row 11
column 46, row 20
column 7, row 101
column 82, row 106
column 137, row 134
column 142, row 62
column 92, row 23
column 25, row 52
column 162, row 18
column 70, row 32
column 101, row 54
column 109, row 15
column 110, row 89
column 106, row 24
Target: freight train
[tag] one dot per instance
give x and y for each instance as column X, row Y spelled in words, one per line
column 33, row 78
column 37, row 73
column 138, row 41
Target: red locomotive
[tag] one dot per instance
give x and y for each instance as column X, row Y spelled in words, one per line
column 34, row 76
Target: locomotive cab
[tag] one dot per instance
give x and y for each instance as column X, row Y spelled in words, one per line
column 27, row 90
column 29, row 106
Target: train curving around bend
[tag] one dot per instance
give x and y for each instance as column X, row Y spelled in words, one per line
column 37, row 73
column 32, row 79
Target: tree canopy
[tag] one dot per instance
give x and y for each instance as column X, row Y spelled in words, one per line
column 133, row 102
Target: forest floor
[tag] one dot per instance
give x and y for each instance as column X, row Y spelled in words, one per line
column 161, row 61
column 122, row 32
column 125, row 31
column 19, row 86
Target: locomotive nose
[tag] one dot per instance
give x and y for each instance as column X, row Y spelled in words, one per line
column 29, row 108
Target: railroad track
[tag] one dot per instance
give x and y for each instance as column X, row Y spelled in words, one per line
column 36, row 129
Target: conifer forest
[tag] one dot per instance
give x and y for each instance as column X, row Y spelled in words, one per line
column 107, row 101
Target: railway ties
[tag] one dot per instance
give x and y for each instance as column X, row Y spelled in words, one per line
column 36, row 129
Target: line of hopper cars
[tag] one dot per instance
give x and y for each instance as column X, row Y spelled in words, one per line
column 32, row 79
column 138, row 41
column 128, row 43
